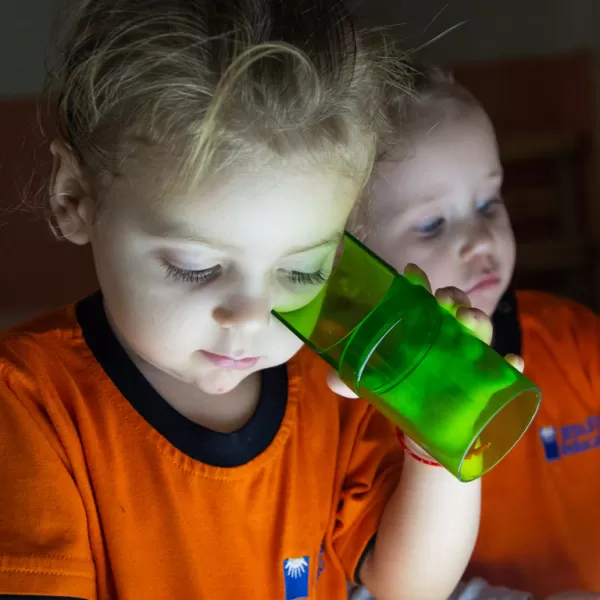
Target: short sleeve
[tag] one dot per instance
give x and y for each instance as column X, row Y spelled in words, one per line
column 371, row 477
column 44, row 543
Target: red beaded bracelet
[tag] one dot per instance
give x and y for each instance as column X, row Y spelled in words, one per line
column 412, row 454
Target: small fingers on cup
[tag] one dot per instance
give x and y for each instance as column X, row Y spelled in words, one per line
column 477, row 322
column 516, row 361
column 417, row 276
column 451, row 299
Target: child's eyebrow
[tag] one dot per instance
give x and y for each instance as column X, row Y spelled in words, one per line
column 333, row 240
column 180, row 232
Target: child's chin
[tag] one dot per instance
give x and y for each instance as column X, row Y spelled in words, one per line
column 222, row 382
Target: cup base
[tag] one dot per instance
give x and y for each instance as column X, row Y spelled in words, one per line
column 499, row 436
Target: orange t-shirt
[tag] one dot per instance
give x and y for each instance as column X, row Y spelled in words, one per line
column 107, row 492
column 540, row 528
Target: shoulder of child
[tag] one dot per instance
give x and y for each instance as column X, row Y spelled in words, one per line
column 44, row 330
column 43, row 521
column 562, row 337
column 558, row 316
column 33, row 352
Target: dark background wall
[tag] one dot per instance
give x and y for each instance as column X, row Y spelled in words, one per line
column 493, row 29
column 37, row 271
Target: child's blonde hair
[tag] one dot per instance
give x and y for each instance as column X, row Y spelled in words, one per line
column 211, row 83
column 435, row 98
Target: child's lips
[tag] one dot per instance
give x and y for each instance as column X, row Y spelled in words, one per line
column 484, row 283
column 227, row 362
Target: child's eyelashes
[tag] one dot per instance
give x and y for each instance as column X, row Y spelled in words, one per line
column 207, row 275
column 299, row 277
column 190, row 276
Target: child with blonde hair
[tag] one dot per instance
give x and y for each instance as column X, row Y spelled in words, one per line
column 166, row 437
column 435, row 200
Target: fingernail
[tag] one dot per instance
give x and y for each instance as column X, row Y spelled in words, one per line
column 518, row 360
column 465, row 314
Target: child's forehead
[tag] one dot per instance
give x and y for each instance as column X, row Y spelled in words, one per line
column 292, row 207
column 433, row 155
column 444, row 165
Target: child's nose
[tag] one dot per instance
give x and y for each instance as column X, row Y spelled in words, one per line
column 479, row 242
column 248, row 314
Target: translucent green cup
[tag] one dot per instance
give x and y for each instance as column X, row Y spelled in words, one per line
column 393, row 345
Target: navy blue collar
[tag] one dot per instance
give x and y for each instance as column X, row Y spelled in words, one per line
column 202, row 444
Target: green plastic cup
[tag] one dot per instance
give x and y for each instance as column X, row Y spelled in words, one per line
column 392, row 344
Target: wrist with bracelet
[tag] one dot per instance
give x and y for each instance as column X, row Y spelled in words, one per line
column 421, row 457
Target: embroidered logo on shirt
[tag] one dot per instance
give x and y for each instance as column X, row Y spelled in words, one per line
column 550, row 443
column 296, row 573
column 570, row 439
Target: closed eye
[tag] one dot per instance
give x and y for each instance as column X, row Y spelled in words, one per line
column 298, row 277
column 189, row 276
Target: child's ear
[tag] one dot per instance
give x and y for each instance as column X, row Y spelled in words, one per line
column 71, row 198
